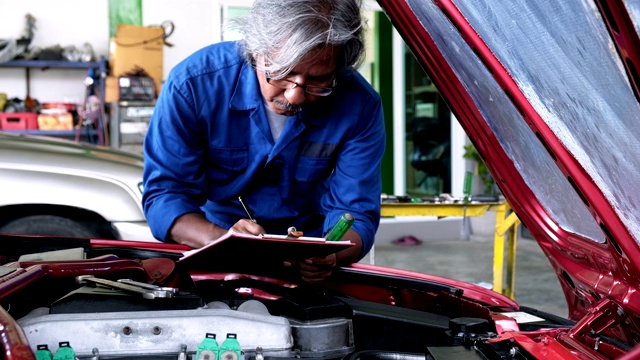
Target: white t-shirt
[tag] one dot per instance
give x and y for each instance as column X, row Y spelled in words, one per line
column 276, row 123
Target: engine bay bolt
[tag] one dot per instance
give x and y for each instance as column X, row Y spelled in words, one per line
column 183, row 352
column 156, row 330
column 127, row 330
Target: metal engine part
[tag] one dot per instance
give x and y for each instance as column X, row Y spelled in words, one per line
column 331, row 338
column 134, row 334
column 147, row 333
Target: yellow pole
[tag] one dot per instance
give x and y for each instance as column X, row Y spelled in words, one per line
column 510, row 224
column 498, row 249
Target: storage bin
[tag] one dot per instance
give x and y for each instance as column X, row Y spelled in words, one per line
column 18, row 121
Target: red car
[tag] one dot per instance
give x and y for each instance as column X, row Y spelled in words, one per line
column 548, row 93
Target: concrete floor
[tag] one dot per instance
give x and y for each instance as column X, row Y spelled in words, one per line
column 472, row 261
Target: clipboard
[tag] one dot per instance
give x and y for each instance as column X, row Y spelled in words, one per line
column 235, row 250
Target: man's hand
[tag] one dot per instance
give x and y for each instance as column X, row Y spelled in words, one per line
column 196, row 231
column 315, row 269
column 246, row 226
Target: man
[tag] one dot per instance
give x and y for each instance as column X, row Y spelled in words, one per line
column 280, row 119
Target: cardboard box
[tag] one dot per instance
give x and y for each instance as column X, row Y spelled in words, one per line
column 111, row 89
column 62, row 121
column 137, row 47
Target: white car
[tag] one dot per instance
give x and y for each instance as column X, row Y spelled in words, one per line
column 52, row 186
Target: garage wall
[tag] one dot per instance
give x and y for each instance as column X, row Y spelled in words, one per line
column 74, row 22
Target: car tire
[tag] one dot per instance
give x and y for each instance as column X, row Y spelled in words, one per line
column 47, row 225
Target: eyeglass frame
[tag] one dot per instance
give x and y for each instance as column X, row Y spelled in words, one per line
column 284, row 86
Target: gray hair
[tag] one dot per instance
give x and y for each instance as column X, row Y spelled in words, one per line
column 284, row 31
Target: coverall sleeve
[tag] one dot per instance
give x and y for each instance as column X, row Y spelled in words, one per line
column 356, row 183
column 172, row 178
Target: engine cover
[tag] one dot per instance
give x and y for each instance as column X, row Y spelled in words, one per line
column 147, row 333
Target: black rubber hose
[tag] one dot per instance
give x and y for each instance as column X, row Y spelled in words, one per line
column 384, row 355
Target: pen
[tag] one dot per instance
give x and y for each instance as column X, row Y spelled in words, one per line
column 246, row 210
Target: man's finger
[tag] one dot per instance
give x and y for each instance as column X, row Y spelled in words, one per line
column 246, row 226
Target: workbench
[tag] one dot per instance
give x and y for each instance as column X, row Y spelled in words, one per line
column 507, row 224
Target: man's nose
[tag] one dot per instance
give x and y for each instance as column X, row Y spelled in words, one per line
column 295, row 96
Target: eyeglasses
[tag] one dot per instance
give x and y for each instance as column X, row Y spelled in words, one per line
column 309, row 89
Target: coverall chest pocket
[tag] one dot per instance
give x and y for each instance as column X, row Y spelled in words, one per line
column 224, row 165
column 312, row 169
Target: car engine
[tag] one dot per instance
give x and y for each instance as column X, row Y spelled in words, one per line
column 109, row 307
column 126, row 319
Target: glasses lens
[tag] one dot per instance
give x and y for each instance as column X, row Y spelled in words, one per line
column 309, row 89
column 280, row 83
column 318, row 91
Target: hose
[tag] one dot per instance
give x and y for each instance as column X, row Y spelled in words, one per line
column 384, row 355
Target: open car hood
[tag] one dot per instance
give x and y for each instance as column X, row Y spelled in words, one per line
column 547, row 91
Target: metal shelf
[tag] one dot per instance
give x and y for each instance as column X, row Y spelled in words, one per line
column 51, row 132
column 100, row 68
column 55, row 64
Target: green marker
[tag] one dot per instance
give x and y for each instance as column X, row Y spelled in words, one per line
column 341, row 227
column 466, row 191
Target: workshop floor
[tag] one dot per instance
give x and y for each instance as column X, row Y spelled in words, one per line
column 472, row 261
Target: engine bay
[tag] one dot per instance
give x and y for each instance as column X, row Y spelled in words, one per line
column 144, row 305
column 244, row 319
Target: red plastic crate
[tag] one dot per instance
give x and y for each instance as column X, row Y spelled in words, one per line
column 18, row 121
